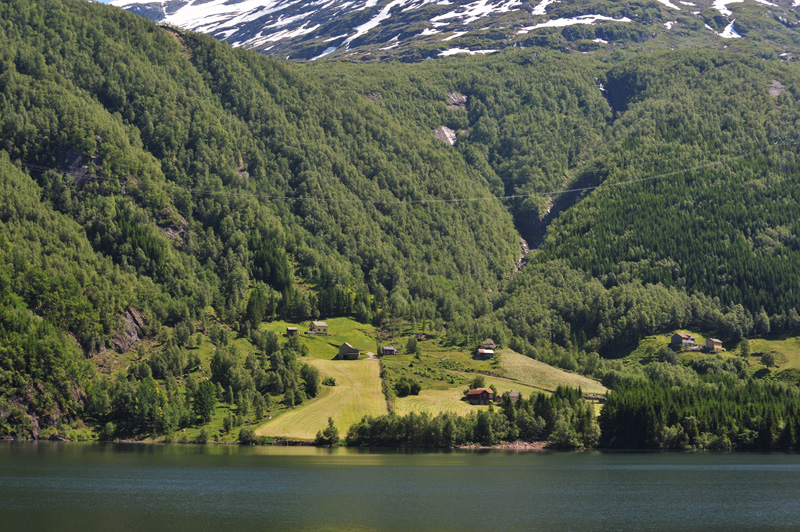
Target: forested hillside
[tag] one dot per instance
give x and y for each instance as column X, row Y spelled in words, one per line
column 161, row 189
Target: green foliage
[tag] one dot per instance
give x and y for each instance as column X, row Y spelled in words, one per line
column 173, row 178
column 247, row 436
column 478, row 382
column 714, row 413
column 407, row 385
column 564, row 417
column 328, row 436
column 205, row 401
column 411, row 345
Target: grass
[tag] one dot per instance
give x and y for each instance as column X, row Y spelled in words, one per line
column 326, row 347
column 449, row 400
column 786, row 351
column 435, row 402
column 539, row 374
column 357, row 393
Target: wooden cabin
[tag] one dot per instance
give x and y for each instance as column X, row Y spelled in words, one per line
column 480, row 396
column 488, row 344
column 388, row 350
column 484, row 354
column 348, row 352
column 681, row 340
column 714, row 345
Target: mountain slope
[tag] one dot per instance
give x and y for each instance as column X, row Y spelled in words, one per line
column 416, row 29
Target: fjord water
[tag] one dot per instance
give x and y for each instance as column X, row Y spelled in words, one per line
column 50, row 486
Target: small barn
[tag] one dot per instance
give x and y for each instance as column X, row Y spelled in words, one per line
column 513, row 395
column 291, row 331
column 319, row 327
column 348, row 352
column 484, row 354
column 388, row 350
column 488, row 344
column 712, row 344
column 681, row 340
column 480, row 396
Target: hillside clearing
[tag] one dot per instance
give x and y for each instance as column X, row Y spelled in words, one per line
column 326, row 347
column 540, row 375
column 357, row 393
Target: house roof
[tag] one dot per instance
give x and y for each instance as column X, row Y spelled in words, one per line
column 319, row 324
column 715, row 340
column 513, row 393
column 389, row 347
column 686, row 336
column 479, row 391
column 348, row 345
column 291, row 328
column 485, row 351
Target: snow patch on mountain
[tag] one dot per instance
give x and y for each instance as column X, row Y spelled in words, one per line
column 722, row 5
column 454, row 51
column 561, row 22
column 542, row 6
column 455, row 35
column 477, row 10
column 729, row 32
column 382, row 15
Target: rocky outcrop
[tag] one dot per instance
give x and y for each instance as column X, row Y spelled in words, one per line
column 456, row 100
column 445, row 134
column 128, row 334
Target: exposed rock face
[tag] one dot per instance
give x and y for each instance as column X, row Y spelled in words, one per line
column 128, row 334
column 776, row 88
column 375, row 96
column 456, row 100
column 445, row 134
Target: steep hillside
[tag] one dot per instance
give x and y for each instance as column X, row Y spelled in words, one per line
column 413, row 30
column 163, row 195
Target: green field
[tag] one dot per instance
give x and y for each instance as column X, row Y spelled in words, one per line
column 357, row 393
column 435, row 402
column 450, row 400
column 529, row 371
column 786, row 351
column 340, row 330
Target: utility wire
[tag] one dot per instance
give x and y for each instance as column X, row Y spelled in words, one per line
column 264, row 197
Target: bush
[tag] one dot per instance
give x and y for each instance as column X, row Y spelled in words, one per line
column 329, row 436
column 407, row 386
column 247, row 436
column 329, row 381
column 478, row 382
column 108, row 432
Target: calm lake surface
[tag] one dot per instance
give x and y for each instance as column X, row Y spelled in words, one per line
column 68, row 486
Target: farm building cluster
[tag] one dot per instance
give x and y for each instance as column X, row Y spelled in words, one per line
column 485, row 396
column 681, row 340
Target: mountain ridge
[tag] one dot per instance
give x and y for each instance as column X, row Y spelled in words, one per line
column 418, row 29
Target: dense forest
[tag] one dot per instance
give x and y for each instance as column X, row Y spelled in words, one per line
column 156, row 184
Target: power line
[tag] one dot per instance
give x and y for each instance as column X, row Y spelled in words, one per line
column 265, row 197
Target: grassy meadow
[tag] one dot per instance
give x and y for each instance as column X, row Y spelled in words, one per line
column 540, row 375
column 340, row 330
column 357, row 393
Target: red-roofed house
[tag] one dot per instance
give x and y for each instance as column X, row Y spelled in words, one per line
column 480, row 396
